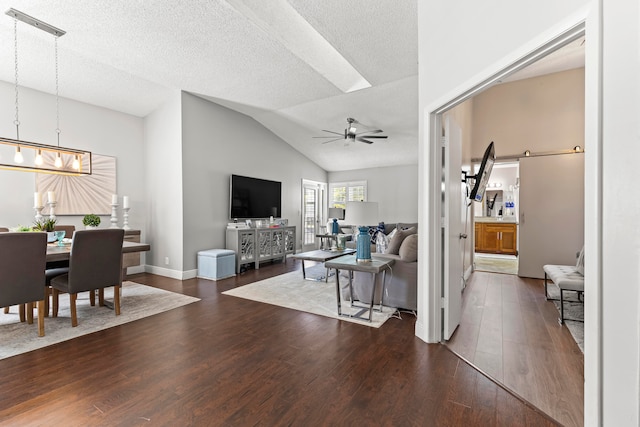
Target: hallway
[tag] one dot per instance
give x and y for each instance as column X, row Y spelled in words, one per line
column 511, row 333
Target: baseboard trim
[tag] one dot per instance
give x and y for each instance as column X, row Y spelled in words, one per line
column 174, row 274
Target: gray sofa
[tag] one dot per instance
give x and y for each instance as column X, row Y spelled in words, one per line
column 401, row 290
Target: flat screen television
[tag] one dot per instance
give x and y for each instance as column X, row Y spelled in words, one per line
column 482, row 177
column 254, row 198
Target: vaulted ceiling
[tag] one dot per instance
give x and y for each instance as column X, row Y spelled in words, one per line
column 275, row 61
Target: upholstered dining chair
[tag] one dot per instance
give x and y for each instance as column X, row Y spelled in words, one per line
column 95, row 263
column 57, row 268
column 23, row 257
column 3, row 229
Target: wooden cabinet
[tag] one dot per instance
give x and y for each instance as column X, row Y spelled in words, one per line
column 253, row 245
column 496, row 238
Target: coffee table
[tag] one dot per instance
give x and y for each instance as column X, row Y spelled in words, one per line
column 320, row 255
column 350, row 264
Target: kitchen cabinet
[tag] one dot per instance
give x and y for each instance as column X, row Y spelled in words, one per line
column 496, row 238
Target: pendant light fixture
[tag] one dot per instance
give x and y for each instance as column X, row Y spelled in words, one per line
column 16, row 154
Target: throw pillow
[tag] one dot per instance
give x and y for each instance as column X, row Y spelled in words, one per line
column 398, row 238
column 409, row 249
column 580, row 263
column 374, row 231
column 382, row 242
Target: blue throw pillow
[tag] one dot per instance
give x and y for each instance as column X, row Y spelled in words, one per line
column 373, row 232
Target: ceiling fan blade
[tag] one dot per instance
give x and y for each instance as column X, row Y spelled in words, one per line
column 370, row 131
column 361, row 139
column 374, row 136
column 330, row 131
column 337, row 139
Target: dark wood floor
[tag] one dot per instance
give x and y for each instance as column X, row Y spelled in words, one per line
column 511, row 332
column 232, row 362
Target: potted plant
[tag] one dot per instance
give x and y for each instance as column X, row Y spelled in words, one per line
column 47, row 225
column 91, row 221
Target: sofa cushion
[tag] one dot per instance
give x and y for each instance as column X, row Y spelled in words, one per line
column 398, row 238
column 409, row 249
column 407, row 225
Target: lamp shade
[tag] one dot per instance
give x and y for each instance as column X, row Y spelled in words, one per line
column 336, row 213
column 361, row 213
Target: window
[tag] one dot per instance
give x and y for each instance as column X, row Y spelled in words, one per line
column 342, row 192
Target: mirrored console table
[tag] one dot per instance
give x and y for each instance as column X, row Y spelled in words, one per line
column 254, row 245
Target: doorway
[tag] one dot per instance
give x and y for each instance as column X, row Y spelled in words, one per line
column 495, row 222
column 314, row 196
column 523, row 314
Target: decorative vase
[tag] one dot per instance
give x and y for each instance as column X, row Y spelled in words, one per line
column 90, row 227
column 363, row 245
column 335, row 228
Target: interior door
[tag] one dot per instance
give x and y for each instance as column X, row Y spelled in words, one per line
column 551, row 225
column 313, row 194
column 454, row 227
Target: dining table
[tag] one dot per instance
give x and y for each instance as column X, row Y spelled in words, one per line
column 63, row 253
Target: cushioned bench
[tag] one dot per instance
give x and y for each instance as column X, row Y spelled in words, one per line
column 567, row 278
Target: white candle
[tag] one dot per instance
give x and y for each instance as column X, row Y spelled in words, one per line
column 51, row 196
column 114, row 199
column 37, row 199
column 125, row 202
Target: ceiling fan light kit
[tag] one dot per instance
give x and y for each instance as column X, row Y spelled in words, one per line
column 351, row 134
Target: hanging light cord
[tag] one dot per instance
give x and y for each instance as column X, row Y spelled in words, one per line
column 57, row 97
column 15, row 45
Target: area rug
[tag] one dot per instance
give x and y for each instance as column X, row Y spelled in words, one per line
column 573, row 309
column 138, row 301
column 290, row 290
column 496, row 264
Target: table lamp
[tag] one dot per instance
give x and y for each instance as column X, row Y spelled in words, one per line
column 336, row 214
column 362, row 214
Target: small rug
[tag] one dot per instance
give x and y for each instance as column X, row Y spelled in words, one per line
column 290, row 290
column 573, row 309
column 137, row 301
column 496, row 263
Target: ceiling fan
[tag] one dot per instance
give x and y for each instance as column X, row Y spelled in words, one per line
column 351, row 134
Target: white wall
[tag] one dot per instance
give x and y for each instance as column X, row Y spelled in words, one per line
column 164, row 209
column 395, row 189
column 539, row 114
column 218, row 142
column 83, row 126
column 620, row 206
column 458, row 50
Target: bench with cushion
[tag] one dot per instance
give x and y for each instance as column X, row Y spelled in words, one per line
column 567, row 278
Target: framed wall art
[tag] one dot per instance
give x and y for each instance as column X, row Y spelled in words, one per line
column 81, row 195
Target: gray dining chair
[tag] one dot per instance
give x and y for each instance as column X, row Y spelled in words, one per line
column 95, row 263
column 57, row 268
column 23, row 257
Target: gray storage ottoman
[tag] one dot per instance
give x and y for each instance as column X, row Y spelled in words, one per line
column 215, row 264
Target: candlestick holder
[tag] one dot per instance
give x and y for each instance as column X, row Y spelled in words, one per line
column 114, row 215
column 125, row 215
column 39, row 216
column 52, row 208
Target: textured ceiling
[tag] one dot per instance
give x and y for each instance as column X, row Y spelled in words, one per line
column 130, row 55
